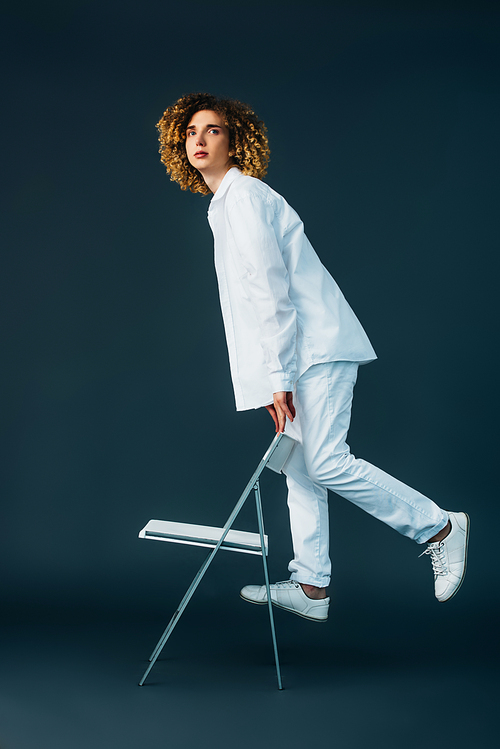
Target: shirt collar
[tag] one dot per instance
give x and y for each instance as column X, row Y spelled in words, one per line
column 228, row 178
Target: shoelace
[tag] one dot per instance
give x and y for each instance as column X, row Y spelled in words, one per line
column 436, row 551
column 287, row 584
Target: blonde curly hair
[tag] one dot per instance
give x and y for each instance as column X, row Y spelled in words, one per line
column 247, row 138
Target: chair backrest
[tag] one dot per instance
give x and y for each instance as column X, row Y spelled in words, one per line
column 279, row 452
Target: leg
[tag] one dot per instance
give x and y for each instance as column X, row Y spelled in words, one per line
column 323, row 401
column 305, row 593
column 309, row 525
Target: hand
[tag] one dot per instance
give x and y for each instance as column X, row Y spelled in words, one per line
column 281, row 408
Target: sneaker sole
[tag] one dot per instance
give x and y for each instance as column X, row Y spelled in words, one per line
column 445, row 600
column 284, row 608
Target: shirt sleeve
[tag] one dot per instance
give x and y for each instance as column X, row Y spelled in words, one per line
column 266, row 281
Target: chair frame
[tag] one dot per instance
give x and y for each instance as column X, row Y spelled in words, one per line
column 274, row 458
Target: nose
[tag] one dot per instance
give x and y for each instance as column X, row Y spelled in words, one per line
column 200, row 141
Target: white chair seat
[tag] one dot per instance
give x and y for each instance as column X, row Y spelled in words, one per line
column 203, row 535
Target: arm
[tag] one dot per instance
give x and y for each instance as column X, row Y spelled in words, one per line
column 264, row 276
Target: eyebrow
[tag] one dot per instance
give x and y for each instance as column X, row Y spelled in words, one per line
column 193, row 127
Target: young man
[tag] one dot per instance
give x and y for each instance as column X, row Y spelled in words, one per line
column 294, row 348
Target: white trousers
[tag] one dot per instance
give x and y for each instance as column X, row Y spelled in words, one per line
column 322, row 460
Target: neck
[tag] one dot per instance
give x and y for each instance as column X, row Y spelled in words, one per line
column 213, row 179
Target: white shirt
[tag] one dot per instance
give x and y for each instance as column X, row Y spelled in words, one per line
column 281, row 308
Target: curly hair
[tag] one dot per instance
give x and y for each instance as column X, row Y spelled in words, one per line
column 248, row 142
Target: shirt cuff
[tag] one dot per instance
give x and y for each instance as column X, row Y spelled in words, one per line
column 281, row 383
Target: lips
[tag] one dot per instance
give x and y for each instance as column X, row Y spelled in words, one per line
column 201, row 153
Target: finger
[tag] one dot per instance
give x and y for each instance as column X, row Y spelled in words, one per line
column 279, row 415
column 280, row 404
column 276, row 422
column 285, row 408
column 272, row 413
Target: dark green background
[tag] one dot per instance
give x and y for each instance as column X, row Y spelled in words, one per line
column 117, row 403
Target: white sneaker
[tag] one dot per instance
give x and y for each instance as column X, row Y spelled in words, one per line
column 288, row 595
column 449, row 557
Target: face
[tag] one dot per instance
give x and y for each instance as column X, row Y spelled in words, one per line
column 207, row 142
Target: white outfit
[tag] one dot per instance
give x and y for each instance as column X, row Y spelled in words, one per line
column 288, row 327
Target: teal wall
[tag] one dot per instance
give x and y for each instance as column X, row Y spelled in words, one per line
column 117, row 401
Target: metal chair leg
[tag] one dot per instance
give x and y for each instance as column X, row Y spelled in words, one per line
column 177, row 615
column 260, row 519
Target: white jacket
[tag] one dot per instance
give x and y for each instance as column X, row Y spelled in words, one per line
column 282, row 310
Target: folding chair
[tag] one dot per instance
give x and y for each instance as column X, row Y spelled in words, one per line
column 223, row 538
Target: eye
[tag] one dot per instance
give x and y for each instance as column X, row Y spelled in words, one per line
column 190, row 132
column 213, row 130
